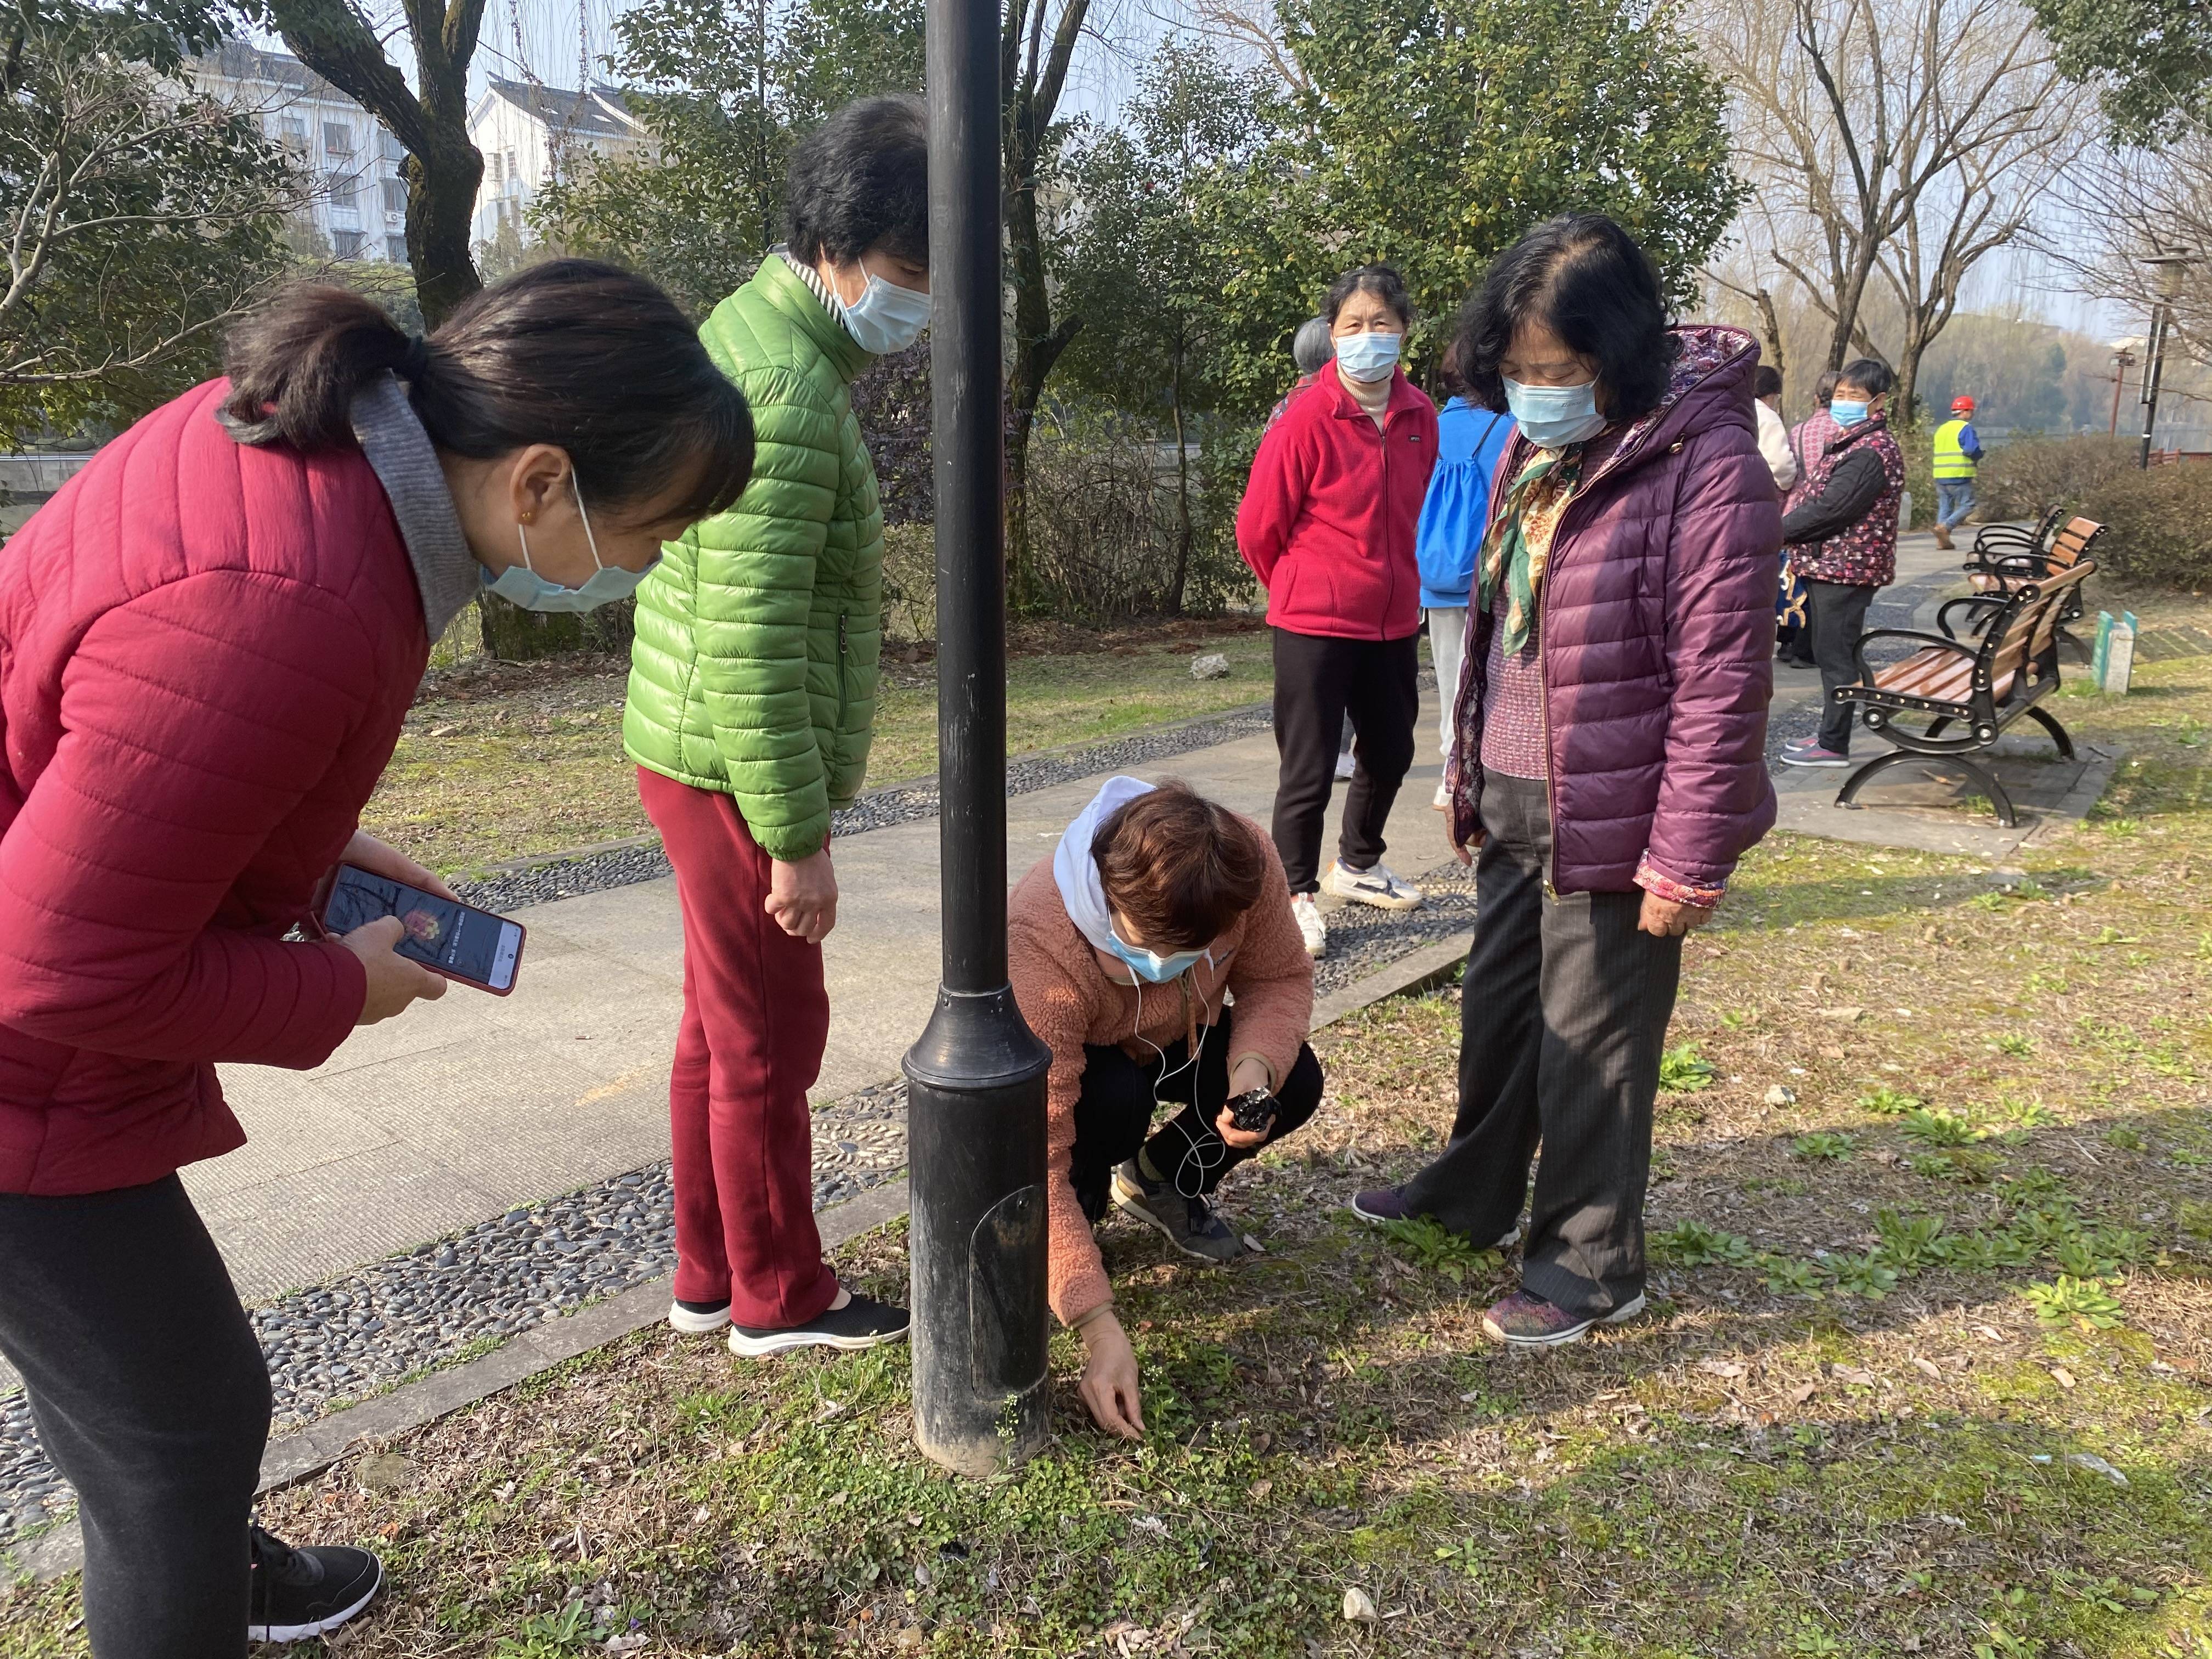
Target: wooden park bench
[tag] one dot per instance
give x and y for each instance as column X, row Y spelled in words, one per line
column 2005, row 556
column 1999, row 672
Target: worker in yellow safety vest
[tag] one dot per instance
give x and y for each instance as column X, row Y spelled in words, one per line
column 1957, row 452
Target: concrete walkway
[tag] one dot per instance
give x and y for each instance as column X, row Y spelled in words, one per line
column 460, row 1109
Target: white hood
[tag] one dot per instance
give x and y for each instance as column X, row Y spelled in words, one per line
column 1077, row 872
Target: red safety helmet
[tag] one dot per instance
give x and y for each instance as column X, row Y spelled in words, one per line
column 1962, row 404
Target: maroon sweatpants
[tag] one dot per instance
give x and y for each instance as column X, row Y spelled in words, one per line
column 755, row 1020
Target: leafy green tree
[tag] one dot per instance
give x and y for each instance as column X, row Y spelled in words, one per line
column 1432, row 136
column 724, row 87
column 1136, row 268
column 2150, row 60
column 135, row 216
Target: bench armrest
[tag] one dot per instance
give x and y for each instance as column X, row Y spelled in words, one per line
column 1867, row 673
column 1943, row 613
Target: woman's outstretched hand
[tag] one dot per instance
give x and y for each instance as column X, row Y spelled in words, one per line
column 1665, row 919
column 1109, row 1379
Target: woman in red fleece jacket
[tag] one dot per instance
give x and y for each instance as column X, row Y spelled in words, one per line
column 207, row 641
column 1326, row 523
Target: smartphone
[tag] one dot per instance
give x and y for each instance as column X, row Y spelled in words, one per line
column 458, row 940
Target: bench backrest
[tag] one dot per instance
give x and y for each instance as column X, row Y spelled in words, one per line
column 2026, row 632
column 2072, row 543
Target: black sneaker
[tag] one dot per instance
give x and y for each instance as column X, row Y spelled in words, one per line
column 862, row 1323
column 1188, row 1224
column 299, row 1593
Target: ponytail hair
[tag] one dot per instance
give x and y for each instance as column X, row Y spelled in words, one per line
column 584, row 356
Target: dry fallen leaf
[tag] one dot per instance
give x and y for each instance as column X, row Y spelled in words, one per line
column 1854, row 1374
column 2061, row 1377
column 1842, row 1016
column 1803, row 1392
column 1720, row 1367
column 1260, row 1489
column 1927, row 1365
column 1359, row 1607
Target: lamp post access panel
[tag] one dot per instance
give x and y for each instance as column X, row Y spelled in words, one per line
column 976, row 1111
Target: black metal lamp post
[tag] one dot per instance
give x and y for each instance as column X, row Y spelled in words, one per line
column 976, row 1095
column 2171, row 267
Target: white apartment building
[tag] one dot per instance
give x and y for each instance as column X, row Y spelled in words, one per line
column 527, row 132
column 361, row 209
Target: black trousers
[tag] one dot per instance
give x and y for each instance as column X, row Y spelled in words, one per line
column 1318, row 682
column 150, row 1394
column 1113, row 1114
column 1835, row 616
column 1562, row 1021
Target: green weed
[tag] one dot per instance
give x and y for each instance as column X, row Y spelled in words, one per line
column 1684, row 1071
column 2070, row 1300
column 1825, row 1144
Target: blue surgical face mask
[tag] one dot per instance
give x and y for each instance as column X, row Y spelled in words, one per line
column 1846, row 411
column 1368, row 357
column 1553, row 416
column 520, row 584
column 886, row 317
column 1159, row 970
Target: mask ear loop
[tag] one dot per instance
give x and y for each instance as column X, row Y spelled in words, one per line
column 523, row 536
column 598, row 563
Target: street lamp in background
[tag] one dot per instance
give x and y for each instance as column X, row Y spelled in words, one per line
column 2170, row 267
column 2123, row 360
column 975, row 1101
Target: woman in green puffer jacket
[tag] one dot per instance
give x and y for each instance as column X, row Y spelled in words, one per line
column 752, row 700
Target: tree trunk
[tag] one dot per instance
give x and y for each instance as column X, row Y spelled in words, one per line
column 443, row 167
column 1032, row 73
column 1183, row 490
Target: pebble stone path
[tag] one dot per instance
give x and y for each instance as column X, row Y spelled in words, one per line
column 445, row 1301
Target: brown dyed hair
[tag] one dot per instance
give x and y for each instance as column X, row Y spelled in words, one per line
column 1181, row 867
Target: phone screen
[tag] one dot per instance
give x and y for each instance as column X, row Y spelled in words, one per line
column 441, row 934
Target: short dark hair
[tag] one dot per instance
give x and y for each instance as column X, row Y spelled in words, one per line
column 1310, row 346
column 1181, row 867
column 1383, row 282
column 1870, row 374
column 1766, row 381
column 575, row 353
column 860, row 180
column 1585, row 278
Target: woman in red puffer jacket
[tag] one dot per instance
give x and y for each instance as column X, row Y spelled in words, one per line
column 1609, row 757
column 208, row 640
column 1326, row 523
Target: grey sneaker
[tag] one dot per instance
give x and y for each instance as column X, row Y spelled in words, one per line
column 1188, row 1224
column 1377, row 887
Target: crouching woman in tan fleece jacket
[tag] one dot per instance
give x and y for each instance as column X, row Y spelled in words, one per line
column 1125, row 946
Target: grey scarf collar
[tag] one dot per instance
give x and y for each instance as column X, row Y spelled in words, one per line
column 399, row 451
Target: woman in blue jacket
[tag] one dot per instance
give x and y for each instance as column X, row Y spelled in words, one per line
column 1469, row 441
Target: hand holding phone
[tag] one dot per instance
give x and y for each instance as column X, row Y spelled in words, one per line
column 393, row 981
column 375, row 915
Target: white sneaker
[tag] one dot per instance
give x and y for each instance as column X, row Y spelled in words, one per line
column 1311, row 928
column 1377, row 887
column 1346, row 764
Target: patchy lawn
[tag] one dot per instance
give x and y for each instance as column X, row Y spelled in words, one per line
column 1928, row 1370
column 505, row 760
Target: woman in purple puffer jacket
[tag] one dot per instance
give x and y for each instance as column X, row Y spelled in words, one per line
column 1609, row 762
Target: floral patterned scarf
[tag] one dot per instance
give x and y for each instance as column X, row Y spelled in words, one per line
column 1518, row 542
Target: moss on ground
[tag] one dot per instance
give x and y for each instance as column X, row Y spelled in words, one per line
column 1928, row 1367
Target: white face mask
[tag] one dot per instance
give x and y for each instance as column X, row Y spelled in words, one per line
column 886, row 317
